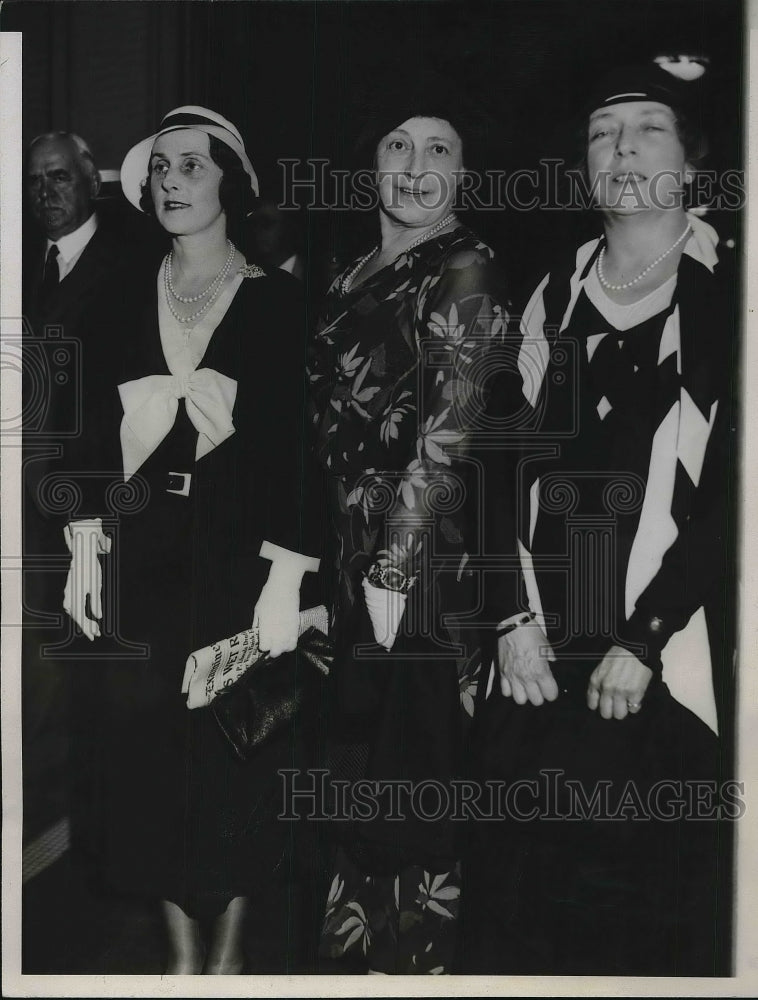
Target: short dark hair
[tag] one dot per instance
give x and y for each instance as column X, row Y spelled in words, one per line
column 691, row 135
column 426, row 94
column 235, row 194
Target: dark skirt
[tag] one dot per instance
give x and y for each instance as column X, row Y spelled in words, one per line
column 180, row 817
column 597, row 858
column 397, row 719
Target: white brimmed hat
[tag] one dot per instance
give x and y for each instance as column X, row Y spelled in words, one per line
column 134, row 169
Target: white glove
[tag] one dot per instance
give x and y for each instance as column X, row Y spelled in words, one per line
column 85, row 541
column 277, row 612
column 385, row 609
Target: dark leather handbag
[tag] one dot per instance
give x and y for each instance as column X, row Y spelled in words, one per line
column 271, row 693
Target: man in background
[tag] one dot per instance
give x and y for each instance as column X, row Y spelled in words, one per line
column 77, row 263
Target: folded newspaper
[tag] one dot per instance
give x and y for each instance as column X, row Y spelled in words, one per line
column 212, row 669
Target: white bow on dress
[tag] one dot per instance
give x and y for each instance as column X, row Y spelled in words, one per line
column 150, row 407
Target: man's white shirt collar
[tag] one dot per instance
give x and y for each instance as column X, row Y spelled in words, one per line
column 71, row 245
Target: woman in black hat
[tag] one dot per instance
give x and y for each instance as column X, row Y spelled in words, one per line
column 399, row 373
column 206, row 426
column 602, row 713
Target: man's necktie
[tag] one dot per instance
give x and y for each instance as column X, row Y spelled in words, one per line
column 51, row 275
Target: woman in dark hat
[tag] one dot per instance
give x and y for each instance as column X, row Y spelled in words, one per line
column 399, row 373
column 206, row 426
column 603, row 710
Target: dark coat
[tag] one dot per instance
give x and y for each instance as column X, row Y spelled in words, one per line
column 68, row 347
column 102, row 259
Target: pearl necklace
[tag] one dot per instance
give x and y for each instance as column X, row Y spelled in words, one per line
column 641, row 275
column 211, row 291
column 350, row 276
column 219, row 277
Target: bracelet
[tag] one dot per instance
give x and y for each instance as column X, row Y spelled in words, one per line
column 524, row 619
column 389, row 578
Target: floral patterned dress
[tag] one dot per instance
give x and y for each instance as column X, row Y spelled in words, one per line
column 399, row 373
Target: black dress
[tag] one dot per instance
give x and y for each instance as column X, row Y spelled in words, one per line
column 180, row 817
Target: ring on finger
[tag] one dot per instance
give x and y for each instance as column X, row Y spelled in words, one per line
column 634, row 706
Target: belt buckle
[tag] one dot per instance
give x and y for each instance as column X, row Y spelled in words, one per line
column 183, row 490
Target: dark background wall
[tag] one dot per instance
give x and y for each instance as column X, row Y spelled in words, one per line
column 287, row 73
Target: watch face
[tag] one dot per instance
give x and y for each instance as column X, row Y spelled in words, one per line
column 393, row 579
column 389, row 578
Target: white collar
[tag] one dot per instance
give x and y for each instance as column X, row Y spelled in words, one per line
column 73, row 243
column 703, row 242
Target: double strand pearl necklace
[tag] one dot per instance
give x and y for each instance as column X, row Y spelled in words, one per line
column 641, row 275
column 350, row 276
column 210, row 293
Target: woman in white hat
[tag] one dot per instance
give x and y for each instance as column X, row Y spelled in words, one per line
column 206, row 420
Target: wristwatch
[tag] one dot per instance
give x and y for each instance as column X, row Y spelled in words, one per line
column 389, row 578
column 513, row 624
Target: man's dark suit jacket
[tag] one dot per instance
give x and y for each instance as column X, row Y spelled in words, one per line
column 100, row 261
column 68, row 349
